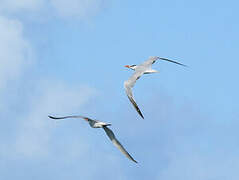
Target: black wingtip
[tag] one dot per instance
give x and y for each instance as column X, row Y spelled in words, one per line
column 139, row 112
column 141, row 115
column 169, row 60
column 52, row 117
column 137, row 108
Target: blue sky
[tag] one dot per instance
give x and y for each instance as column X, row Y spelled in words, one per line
column 67, row 57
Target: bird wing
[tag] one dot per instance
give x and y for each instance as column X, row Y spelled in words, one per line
column 165, row 59
column 128, row 85
column 65, row 117
column 90, row 121
column 112, row 137
column 152, row 60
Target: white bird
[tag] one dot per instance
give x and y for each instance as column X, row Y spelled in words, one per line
column 144, row 68
column 109, row 132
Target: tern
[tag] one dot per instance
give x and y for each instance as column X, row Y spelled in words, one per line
column 144, row 68
column 108, row 131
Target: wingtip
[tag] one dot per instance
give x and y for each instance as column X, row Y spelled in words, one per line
column 141, row 114
column 165, row 59
column 53, row 117
column 184, row 65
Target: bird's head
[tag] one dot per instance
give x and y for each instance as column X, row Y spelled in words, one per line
column 85, row 118
column 133, row 67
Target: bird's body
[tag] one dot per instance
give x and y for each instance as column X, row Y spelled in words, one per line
column 108, row 131
column 97, row 124
column 144, row 68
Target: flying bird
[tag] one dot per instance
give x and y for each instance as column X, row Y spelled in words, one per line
column 144, row 68
column 108, row 131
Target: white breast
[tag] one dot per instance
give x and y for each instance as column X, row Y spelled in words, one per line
column 96, row 124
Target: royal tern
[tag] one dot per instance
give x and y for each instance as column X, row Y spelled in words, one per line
column 144, row 68
column 108, row 131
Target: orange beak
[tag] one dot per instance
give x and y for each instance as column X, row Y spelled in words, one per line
column 86, row 119
column 127, row 66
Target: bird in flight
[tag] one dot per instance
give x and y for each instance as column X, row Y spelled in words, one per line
column 108, row 131
column 144, row 68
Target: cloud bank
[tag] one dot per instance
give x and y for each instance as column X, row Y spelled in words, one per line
column 52, row 98
column 31, row 128
column 15, row 51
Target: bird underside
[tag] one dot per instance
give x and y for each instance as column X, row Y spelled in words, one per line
column 151, row 71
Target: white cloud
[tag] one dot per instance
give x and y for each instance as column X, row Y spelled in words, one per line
column 13, row 6
column 16, row 56
column 77, row 8
column 64, row 8
column 32, row 128
column 15, row 51
column 53, row 98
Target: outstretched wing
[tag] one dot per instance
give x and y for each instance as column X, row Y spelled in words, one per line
column 128, row 85
column 112, row 137
column 65, row 117
column 152, row 60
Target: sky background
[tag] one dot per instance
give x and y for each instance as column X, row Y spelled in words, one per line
column 63, row 57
